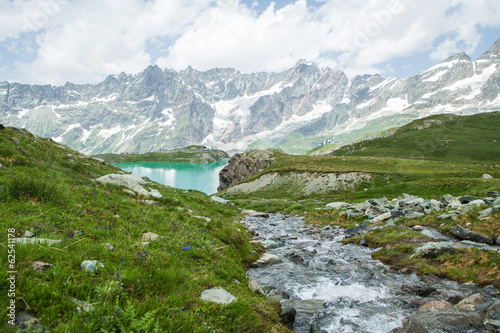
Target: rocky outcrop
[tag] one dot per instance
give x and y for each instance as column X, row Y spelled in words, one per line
column 246, row 165
column 301, row 183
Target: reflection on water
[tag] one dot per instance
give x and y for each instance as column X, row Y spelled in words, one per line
column 203, row 177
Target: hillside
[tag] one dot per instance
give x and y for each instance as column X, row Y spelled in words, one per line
column 190, row 154
column 157, row 253
column 440, row 138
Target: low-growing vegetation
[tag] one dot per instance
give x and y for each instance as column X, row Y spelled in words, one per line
column 49, row 191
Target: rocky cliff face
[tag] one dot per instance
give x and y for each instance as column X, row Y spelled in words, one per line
column 163, row 109
column 246, row 165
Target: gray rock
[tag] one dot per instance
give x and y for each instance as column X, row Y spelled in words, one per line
column 220, row 200
column 40, row 266
column 109, row 246
column 449, row 201
column 493, row 194
column 28, row 234
column 465, row 234
column 30, row 323
column 49, row 242
column 132, row 193
column 217, row 295
column 253, row 213
column 314, row 328
column 414, row 215
column 155, row 193
column 433, row 249
column 277, row 294
column 287, row 314
column 266, row 259
column 492, row 326
column 309, row 306
column 269, row 244
column 485, row 213
column 446, row 216
column 486, row 176
column 411, row 327
column 148, row 236
column 128, row 182
column 482, row 246
column 476, row 203
column 338, row 205
column 99, row 160
column 91, row 266
column 448, row 320
column 471, row 302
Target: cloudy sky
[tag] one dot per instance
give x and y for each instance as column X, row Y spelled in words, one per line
column 82, row 41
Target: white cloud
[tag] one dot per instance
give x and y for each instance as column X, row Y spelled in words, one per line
column 83, row 41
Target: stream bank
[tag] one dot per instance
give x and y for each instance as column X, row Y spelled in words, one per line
column 340, row 288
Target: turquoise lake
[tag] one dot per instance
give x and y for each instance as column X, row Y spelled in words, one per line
column 203, row 177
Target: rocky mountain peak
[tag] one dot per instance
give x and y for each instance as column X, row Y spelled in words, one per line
column 294, row 109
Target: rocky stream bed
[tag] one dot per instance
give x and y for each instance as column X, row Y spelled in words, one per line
column 339, row 288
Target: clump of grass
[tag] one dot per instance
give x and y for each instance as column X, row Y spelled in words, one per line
column 389, row 236
column 28, row 188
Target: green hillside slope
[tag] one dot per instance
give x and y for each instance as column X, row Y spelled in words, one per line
column 49, row 191
column 441, row 137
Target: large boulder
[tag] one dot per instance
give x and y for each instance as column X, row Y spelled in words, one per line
column 465, row 234
column 243, row 166
column 130, row 182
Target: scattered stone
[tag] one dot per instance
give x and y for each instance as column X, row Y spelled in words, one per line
column 49, row 242
column 149, row 236
column 269, row 244
column 476, row 203
column 155, row 193
column 410, row 327
column 414, row 215
column 149, row 202
column 493, row 194
column 465, row 234
column 486, row 176
column 28, row 234
column 132, row 193
column 29, row 323
column 40, row 266
column 128, row 181
column 99, row 160
column 446, row 216
column 217, row 295
column 433, row 249
column 220, row 200
column 91, row 266
column 471, row 302
column 309, row 306
column 436, row 305
column 492, row 326
column 382, row 217
column 287, row 314
column 109, row 246
column 266, row 259
column 277, row 294
column 338, row 205
column 449, row 201
column 448, row 320
column 485, row 213
column 416, row 303
column 254, row 287
column 16, row 140
column 314, row 328
column 253, row 213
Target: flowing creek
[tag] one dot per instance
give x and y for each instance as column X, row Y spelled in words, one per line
column 356, row 293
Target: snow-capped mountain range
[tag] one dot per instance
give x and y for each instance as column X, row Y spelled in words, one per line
column 295, row 109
